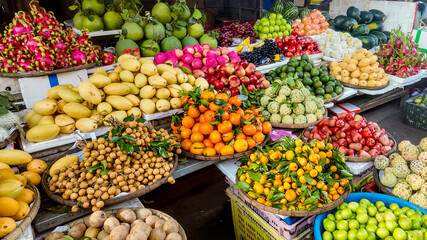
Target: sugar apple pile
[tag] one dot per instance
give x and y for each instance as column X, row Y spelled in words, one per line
column 7, row 121
column 406, row 172
column 283, row 104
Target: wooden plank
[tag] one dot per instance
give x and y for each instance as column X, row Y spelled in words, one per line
column 381, row 99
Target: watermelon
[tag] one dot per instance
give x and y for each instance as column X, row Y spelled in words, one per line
column 378, row 15
column 375, row 26
column 366, row 17
column 368, row 41
column 265, row 14
column 382, row 38
column 348, row 24
column 376, row 40
column 362, row 29
column 277, row 7
column 354, row 13
column 304, row 12
column 288, row 4
column 291, row 13
column 339, row 20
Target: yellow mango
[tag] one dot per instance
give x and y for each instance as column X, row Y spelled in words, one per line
column 133, row 99
column 65, row 123
column 22, row 179
column 52, row 93
column 10, row 188
column 100, row 71
column 119, row 102
column 26, row 196
column 63, row 163
column 130, row 64
column 162, row 68
column 77, row 110
column 29, row 115
column 69, row 95
column 46, row 120
column 120, row 115
column 41, row 133
column 126, row 76
column 45, row 107
column 116, row 89
column 137, row 113
column 9, row 207
column 99, row 81
column 23, row 211
column 149, row 69
column 140, row 80
column 7, row 225
column 104, row 108
column 133, row 88
column 157, row 81
column 86, row 124
column 14, row 157
column 37, row 165
column 89, row 92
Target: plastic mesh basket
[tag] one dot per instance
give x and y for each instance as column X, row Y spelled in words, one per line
column 415, row 115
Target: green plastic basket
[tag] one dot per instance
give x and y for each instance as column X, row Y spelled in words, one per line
column 415, row 115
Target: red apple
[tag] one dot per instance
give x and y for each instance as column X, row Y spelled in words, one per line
column 234, row 81
column 221, row 69
column 244, row 63
column 240, row 72
column 266, row 83
column 259, row 85
column 218, row 84
column 253, row 79
column 211, row 79
column 229, row 70
column 250, row 69
column 210, row 71
column 251, row 88
column 245, row 80
column 258, row 74
column 226, row 90
column 223, row 77
column 234, row 91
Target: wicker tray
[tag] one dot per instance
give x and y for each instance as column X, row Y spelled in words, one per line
column 44, row 73
column 297, row 126
column 225, row 157
column 158, row 213
column 363, row 87
column 334, row 98
column 383, row 188
column 12, row 138
column 294, row 213
column 20, row 228
column 58, row 198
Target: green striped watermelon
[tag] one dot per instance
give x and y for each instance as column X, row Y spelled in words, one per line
column 291, row 13
column 288, row 4
column 265, row 14
column 277, row 7
column 304, row 12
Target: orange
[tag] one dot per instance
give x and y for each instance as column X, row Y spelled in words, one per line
column 207, row 95
column 196, row 128
column 219, row 146
column 197, row 148
column 235, row 101
column 290, row 195
column 225, row 126
column 213, row 106
column 240, row 136
column 215, row 137
column 293, row 166
column 187, row 122
column 255, row 111
column 206, row 128
column 248, row 116
column 266, row 127
column 186, row 144
column 185, row 99
column 240, row 145
column 235, row 119
column 185, row 133
column 201, row 118
column 249, row 130
column 209, row 116
column 259, row 137
column 222, row 96
column 210, row 151
column 225, row 116
column 240, row 112
column 193, row 112
column 228, row 107
column 197, row 137
column 208, row 143
column 202, row 108
column 227, row 150
column 251, row 142
column 226, row 137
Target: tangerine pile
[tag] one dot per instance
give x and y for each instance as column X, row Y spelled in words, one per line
column 216, row 124
column 292, row 175
column 312, row 24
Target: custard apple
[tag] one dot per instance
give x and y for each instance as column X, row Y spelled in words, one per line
column 265, row 100
column 270, row 91
column 402, row 190
column 403, row 144
column 424, row 173
column 423, row 144
column 280, row 98
column 287, row 119
column 401, row 170
column 305, row 92
column 423, row 157
column 285, row 90
column 419, row 199
column 381, row 162
column 393, row 155
column 415, row 181
column 299, row 109
column 416, row 166
column 266, row 114
column 423, row 188
column 388, row 170
column 4, row 134
column 296, row 96
column 275, row 118
column 389, row 180
column 311, row 117
column 273, row 107
column 319, row 102
column 298, row 85
column 401, row 180
column 300, row 119
column 285, row 109
column 397, row 160
column 9, row 120
column 319, row 114
column 310, row 107
column 410, row 152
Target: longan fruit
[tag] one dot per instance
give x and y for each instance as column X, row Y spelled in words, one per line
column 86, row 205
column 105, row 196
column 100, row 204
column 93, row 202
column 125, row 188
column 74, row 196
column 94, row 209
column 75, row 208
column 97, row 193
column 171, row 180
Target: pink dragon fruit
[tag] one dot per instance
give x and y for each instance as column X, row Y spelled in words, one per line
column 78, row 57
column 108, row 59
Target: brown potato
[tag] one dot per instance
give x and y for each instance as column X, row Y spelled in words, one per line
column 137, row 234
column 157, row 234
column 97, row 219
column 159, row 223
column 92, row 232
column 142, row 225
column 171, row 226
column 110, row 223
column 151, row 220
column 143, row 213
column 54, row 236
column 173, row 236
column 77, row 231
column 126, row 215
column 103, row 234
column 119, row 233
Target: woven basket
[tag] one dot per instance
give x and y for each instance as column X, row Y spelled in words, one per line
column 224, row 157
column 113, row 201
column 297, row 126
column 364, row 87
column 294, row 213
column 45, row 73
column 29, row 218
column 383, row 188
column 334, row 98
column 158, row 213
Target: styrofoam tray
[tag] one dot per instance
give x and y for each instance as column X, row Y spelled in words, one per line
column 69, row 23
column 154, row 116
column 408, row 81
column 391, row 86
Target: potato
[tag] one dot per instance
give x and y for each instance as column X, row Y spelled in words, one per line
column 54, row 236
column 171, row 226
column 102, row 234
column 137, row 234
column 77, row 231
column 157, row 234
column 110, row 223
column 119, row 233
column 175, row 103
column 148, row 106
column 137, row 221
column 163, row 105
column 151, row 220
column 173, row 236
column 162, row 93
column 85, row 219
column 159, row 223
column 143, row 213
column 142, row 225
column 126, row 215
column 97, row 219
column 92, row 232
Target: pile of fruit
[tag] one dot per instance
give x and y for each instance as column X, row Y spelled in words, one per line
column 135, row 87
column 165, row 29
column 240, row 30
column 360, row 68
column 353, row 135
column 373, row 220
column 337, row 44
column 292, row 175
column 271, row 26
column 15, row 198
column 400, row 55
column 406, row 173
column 312, row 24
column 36, row 41
column 296, row 45
column 420, row 100
column 366, row 26
column 139, row 224
column 262, row 55
column 303, row 72
column 129, row 158
column 216, row 124
column 287, row 9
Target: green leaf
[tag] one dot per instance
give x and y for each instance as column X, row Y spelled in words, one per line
column 309, row 200
column 220, row 102
column 242, row 185
column 163, row 153
column 277, row 196
column 129, row 118
column 129, row 138
column 91, row 18
column 186, row 70
column 197, row 14
column 140, row 120
column 312, row 207
column 308, row 178
column 182, row 159
column 94, row 167
column 104, row 171
column 3, row 110
column 104, row 164
column 115, row 139
column 270, row 195
column 255, row 176
column 121, row 144
column 73, row 7
column 4, row 101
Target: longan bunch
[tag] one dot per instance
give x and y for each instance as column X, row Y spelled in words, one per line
column 124, row 172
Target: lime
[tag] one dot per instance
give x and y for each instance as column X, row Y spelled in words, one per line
column 379, row 203
column 324, row 77
column 416, row 217
column 419, row 213
column 399, row 234
column 372, row 210
column 381, row 224
column 362, row 234
column 286, row 33
column 279, row 16
column 271, row 29
column 353, row 206
column 382, row 232
column 320, row 91
column 288, row 26
column 338, row 90
column 276, row 28
column 371, row 235
column 364, row 201
column 274, row 35
column 371, row 228
column 308, row 82
column 410, row 212
column 389, row 216
column 317, row 84
column 314, row 72
column 411, row 235
column 390, row 225
column 398, row 212
column 280, row 34
column 393, row 206
column 352, row 234
column 416, row 225
column 272, row 22
column 329, row 89
column 272, row 16
column 338, row 215
column 405, row 223
column 353, row 224
column 373, row 221
column 265, row 22
column 329, row 225
column 282, row 28
column 263, row 36
column 381, row 209
column 340, row 235
column 331, row 216
column 269, row 36
column 342, row 225
column 362, row 217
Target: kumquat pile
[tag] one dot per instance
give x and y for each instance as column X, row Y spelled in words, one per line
column 292, row 175
column 216, row 124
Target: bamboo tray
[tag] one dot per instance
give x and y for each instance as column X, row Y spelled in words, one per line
column 377, row 180
column 225, row 157
column 112, row 201
column 20, row 228
column 364, row 87
column 44, row 73
column 298, row 126
column 158, row 213
column 295, row 213
column 334, row 98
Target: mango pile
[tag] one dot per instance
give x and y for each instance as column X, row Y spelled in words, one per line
column 134, row 87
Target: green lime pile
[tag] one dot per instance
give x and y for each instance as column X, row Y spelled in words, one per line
column 272, row 26
column 366, row 221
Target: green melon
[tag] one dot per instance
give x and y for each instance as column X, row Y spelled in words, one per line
column 189, row 41
column 170, row 43
column 125, row 44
